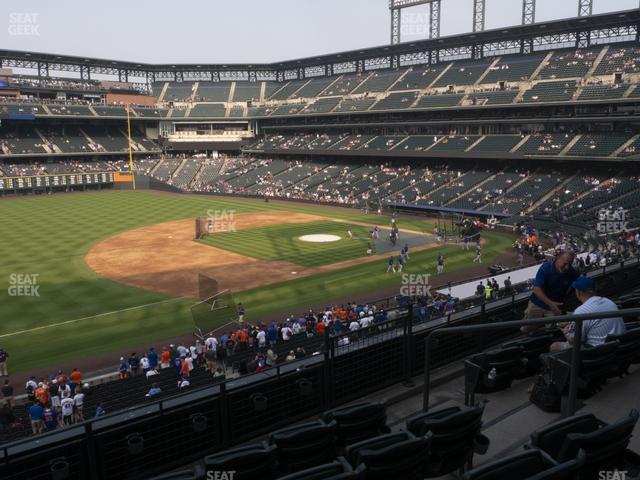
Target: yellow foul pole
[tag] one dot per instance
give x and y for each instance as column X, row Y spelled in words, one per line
column 133, row 177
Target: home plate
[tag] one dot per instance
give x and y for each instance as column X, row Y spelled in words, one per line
column 319, row 238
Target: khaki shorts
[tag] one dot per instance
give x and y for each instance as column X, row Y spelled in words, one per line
column 534, row 311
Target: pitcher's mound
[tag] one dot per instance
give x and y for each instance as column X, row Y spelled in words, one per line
column 319, row 238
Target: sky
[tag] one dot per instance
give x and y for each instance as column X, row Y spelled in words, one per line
column 240, row 31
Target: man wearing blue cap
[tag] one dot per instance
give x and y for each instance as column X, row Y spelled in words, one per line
column 550, row 287
column 594, row 331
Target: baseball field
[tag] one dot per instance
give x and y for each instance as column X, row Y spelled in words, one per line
column 96, row 274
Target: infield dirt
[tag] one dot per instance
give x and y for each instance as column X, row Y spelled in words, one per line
column 165, row 258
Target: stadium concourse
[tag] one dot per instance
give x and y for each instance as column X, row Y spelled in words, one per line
column 469, row 142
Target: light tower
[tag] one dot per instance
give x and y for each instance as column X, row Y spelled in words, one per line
column 396, row 6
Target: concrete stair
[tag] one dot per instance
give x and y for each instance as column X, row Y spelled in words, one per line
column 569, row 145
column 550, row 194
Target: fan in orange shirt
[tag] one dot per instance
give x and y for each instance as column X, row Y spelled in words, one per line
column 42, row 393
column 75, row 376
column 165, row 358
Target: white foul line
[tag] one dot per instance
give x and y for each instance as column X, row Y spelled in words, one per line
column 87, row 318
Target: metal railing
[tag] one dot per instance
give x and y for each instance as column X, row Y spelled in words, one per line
column 341, row 372
column 539, row 322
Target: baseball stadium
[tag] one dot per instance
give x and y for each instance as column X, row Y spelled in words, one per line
column 412, row 260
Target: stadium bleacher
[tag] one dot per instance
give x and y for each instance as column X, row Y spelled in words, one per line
column 569, row 63
column 379, row 81
column 355, row 105
column 246, row 91
column 598, row 145
column 344, row 85
column 418, row 78
column 439, row 100
column 313, row 88
column 550, row 92
column 462, row 73
column 624, row 59
column 396, row 101
column 513, row 69
column 179, row 91
column 208, row 110
column 492, row 97
column 603, row 92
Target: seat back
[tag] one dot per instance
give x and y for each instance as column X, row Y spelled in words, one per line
column 528, row 465
column 336, row 470
column 521, row 465
column 179, row 475
column 250, row 462
column 453, row 432
column 602, row 446
column 551, row 438
column 394, row 455
column 532, row 347
column 304, row 446
column 598, row 362
column 505, row 361
column 358, row 422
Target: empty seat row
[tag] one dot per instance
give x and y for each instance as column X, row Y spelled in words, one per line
column 433, row 443
column 495, row 370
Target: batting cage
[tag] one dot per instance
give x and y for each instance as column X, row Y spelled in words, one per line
column 214, row 312
column 201, row 227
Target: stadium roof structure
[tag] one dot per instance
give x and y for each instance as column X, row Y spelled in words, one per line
column 578, row 32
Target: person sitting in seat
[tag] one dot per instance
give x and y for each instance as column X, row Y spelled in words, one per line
column 594, row 331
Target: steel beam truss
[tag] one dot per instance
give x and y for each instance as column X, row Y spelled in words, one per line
column 478, row 15
column 585, row 8
column 528, row 12
column 434, row 19
column 396, row 6
column 567, row 33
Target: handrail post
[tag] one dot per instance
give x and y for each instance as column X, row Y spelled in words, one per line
column 575, row 369
column 408, row 337
column 90, row 446
column 225, row 423
column 427, row 372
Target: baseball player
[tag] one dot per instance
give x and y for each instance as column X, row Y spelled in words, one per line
column 390, row 266
column 369, row 249
column 400, row 263
column 440, row 264
column 350, row 234
column 406, row 251
column 478, row 254
column 210, row 225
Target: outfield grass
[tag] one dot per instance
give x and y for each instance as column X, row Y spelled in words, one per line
column 70, row 319
column 280, row 242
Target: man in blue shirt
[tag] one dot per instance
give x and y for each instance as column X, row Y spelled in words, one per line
column 36, row 412
column 337, row 327
column 550, row 287
column 152, row 356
